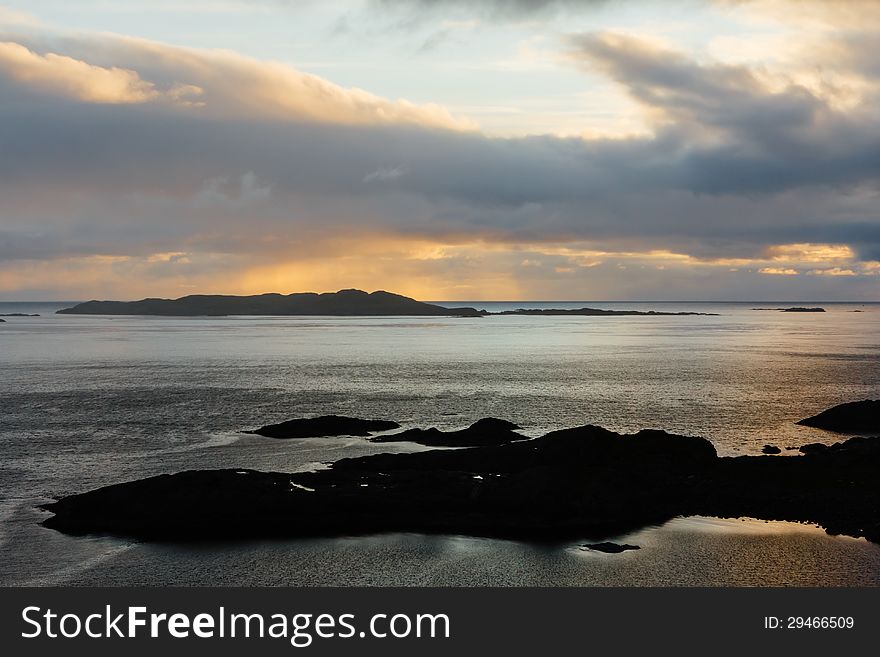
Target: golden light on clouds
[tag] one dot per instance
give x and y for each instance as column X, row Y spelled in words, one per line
column 778, row 271
column 229, row 85
column 423, row 268
column 833, row 271
column 70, row 77
column 809, row 252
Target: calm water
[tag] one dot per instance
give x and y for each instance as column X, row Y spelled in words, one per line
column 87, row 401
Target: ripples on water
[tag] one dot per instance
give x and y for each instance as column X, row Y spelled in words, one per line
column 87, row 401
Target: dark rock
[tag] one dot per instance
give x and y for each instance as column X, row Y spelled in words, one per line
column 488, row 431
column 771, row 449
column 2, row 321
column 17, row 315
column 583, row 482
column 342, row 303
column 813, row 448
column 861, row 417
column 326, row 425
column 576, row 482
column 610, row 548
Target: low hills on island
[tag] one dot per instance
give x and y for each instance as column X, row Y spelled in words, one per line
column 352, row 303
column 342, row 303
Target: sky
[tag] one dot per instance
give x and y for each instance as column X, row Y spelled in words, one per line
column 443, row 149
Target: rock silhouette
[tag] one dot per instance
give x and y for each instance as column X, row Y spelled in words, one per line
column 610, row 548
column 325, row 425
column 581, row 482
column 342, row 303
column 860, row 417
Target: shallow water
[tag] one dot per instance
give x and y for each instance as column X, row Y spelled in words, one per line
column 87, row 401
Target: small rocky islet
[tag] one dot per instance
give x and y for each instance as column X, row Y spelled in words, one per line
column 487, row 431
column 609, row 548
column 324, row 426
column 859, row 417
column 583, row 482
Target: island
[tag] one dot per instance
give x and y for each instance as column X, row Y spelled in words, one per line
column 325, row 425
column 342, row 303
column 345, row 303
column 18, row 315
column 572, row 484
column 795, row 309
column 488, row 431
column 609, row 547
column 595, row 312
column 859, row 417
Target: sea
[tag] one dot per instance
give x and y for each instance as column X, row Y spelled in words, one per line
column 87, row 401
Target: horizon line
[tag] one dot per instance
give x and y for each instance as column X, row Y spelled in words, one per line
column 476, row 301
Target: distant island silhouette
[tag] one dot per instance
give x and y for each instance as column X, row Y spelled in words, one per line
column 342, row 303
column 591, row 312
column 350, row 302
column 795, row 309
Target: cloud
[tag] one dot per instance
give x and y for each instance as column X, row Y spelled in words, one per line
column 257, row 176
column 211, row 83
column 70, row 77
column 385, row 174
column 809, row 252
column 778, row 271
column 15, row 17
column 833, row 271
column 831, row 12
column 498, row 9
column 812, row 13
column 737, row 130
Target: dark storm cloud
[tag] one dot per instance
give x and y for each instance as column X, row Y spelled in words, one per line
column 152, row 166
column 770, row 140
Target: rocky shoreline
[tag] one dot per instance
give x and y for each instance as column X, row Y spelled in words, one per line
column 586, row 482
